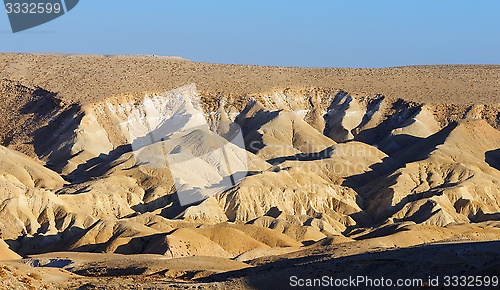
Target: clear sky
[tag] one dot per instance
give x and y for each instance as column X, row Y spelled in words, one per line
column 304, row 33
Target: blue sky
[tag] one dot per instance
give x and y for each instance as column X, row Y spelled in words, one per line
column 286, row 33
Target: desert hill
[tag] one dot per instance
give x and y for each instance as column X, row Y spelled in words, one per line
column 281, row 167
column 90, row 78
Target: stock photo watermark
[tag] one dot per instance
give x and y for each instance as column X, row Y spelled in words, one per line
column 382, row 282
column 26, row 14
column 170, row 131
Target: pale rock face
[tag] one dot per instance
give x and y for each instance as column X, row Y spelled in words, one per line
column 208, row 211
column 283, row 101
column 318, row 168
column 449, row 179
column 165, row 131
column 170, row 131
column 294, row 192
column 421, row 125
column 344, row 115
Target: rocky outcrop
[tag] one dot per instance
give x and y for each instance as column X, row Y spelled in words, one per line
column 317, row 164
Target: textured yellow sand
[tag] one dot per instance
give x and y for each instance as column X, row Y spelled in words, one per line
column 91, row 77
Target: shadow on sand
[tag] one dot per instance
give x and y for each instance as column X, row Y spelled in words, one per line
column 420, row 262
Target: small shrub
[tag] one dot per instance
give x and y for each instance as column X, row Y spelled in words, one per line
column 26, row 280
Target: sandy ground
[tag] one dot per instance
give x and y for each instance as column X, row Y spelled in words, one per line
column 340, row 261
column 87, row 78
